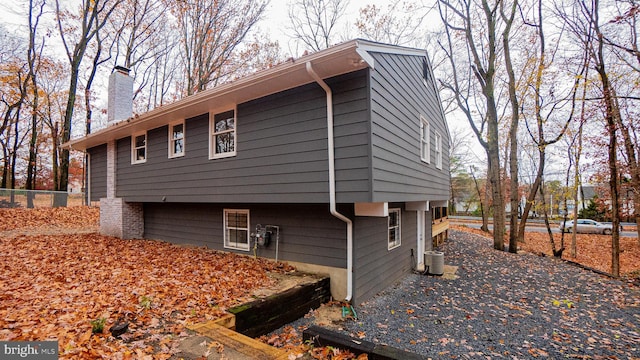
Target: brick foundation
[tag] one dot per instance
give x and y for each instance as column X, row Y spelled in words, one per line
column 121, row 219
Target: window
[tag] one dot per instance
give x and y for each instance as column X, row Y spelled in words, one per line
column 139, row 148
column 236, row 229
column 394, row 229
column 438, row 151
column 222, row 142
column 425, row 143
column 176, row 140
column 427, row 80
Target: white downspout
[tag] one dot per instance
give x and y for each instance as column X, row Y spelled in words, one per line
column 332, row 180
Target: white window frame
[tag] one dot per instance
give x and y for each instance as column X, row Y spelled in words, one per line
column 172, row 153
column 425, row 143
column 134, row 148
column 213, row 134
column 398, row 233
column 227, row 241
column 438, row 145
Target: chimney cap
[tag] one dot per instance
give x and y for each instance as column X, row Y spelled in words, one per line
column 121, row 69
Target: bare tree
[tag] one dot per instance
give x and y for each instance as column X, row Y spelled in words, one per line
column 314, row 22
column 546, row 105
column 583, row 19
column 33, row 60
column 210, row 33
column 508, row 18
column 77, row 31
column 144, row 45
column 623, row 40
column 399, row 23
column 466, row 20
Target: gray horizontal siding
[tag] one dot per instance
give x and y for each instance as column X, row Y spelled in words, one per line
column 398, row 98
column 376, row 267
column 98, row 173
column 308, row 233
column 281, row 152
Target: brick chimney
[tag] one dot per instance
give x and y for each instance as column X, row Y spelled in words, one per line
column 120, row 104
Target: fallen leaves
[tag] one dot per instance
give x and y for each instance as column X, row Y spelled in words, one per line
column 593, row 251
column 59, row 286
column 64, row 217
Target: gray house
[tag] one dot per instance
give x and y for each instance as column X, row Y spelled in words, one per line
column 334, row 162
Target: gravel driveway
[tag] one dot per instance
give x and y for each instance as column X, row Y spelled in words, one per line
column 504, row 306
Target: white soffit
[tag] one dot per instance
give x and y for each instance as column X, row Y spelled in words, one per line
column 379, row 209
column 417, row 206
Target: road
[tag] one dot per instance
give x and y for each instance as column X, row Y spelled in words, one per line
column 533, row 227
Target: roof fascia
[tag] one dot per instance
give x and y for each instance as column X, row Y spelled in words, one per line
column 138, row 122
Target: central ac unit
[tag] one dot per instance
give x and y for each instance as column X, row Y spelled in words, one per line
column 434, row 262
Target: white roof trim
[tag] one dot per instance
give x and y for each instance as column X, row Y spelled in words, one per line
column 343, row 58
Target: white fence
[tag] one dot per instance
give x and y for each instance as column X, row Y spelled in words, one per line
column 18, row 198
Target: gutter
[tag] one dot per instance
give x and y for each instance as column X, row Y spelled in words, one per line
column 332, row 180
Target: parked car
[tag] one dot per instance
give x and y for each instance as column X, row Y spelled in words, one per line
column 587, row 226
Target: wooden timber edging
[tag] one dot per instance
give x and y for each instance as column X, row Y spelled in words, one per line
column 262, row 316
column 238, row 346
column 237, row 330
column 325, row 337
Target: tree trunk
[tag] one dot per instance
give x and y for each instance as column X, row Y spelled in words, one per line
column 63, row 183
column 513, row 131
column 14, row 156
column 556, row 253
column 496, row 188
column 54, row 157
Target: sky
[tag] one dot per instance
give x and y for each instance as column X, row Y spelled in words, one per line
column 276, row 19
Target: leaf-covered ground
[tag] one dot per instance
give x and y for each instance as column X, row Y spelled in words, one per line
column 80, row 217
column 593, row 251
column 53, row 286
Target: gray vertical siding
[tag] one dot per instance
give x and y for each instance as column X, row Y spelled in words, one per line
column 308, row 233
column 98, row 173
column 281, row 152
column 376, row 267
column 398, row 98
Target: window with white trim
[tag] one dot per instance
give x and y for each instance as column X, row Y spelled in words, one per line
column 438, row 145
column 425, row 142
column 139, row 148
column 176, row 139
column 394, row 229
column 236, row 229
column 222, row 139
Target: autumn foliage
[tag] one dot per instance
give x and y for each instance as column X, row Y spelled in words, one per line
column 57, row 285
column 594, row 251
column 47, row 218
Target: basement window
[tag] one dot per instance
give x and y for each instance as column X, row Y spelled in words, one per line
column 176, row 139
column 139, row 148
column 236, row 229
column 394, row 229
column 222, row 142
